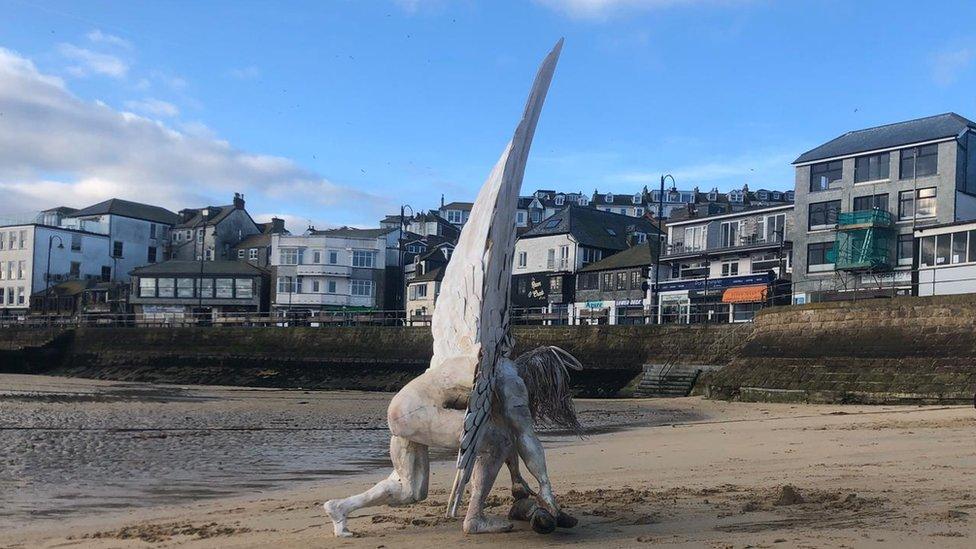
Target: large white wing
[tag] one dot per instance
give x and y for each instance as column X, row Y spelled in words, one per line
column 471, row 319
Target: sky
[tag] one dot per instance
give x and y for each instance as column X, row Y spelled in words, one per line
column 338, row 112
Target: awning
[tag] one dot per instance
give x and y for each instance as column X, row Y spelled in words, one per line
column 745, row 294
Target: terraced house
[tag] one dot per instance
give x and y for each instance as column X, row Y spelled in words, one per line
column 861, row 196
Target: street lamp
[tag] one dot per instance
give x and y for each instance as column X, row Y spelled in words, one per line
column 660, row 244
column 402, row 290
column 47, row 274
column 203, row 244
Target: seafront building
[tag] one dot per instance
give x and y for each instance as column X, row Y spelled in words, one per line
column 861, row 197
column 102, row 242
column 343, row 269
column 723, row 268
column 210, row 233
column 946, row 260
column 617, row 289
column 548, row 256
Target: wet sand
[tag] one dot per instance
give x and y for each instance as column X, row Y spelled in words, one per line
column 717, row 475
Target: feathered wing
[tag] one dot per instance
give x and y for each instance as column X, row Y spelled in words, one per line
column 471, row 319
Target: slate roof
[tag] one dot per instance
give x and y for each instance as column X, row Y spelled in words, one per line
column 213, row 219
column 929, row 128
column 177, row 267
column 66, row 210
column 590, row 226
column 261, row 240
column 125, row 208
column 458, row 206
column 636, row 256
column 352, row 232
column 430, row 276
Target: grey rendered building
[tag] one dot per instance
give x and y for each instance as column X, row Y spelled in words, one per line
column 860, row 196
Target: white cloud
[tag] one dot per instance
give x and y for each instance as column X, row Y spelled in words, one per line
column 245, row 73
column 99, row 37
column 601, row 9
column 91, row 62
column 58, row 149
column 153, row 107
column 949, row 64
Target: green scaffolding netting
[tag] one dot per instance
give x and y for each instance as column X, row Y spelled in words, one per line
column 864, row 249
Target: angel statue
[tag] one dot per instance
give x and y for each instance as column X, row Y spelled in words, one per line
column 474, row 397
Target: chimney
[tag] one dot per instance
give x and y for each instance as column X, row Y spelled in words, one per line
column 239, row 201
column 442, row 201
column 277, row 225
column 186, row 215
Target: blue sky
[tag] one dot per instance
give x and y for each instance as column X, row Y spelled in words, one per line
column 338, row 112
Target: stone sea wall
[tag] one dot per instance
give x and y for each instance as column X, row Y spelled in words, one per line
column 364, row 357
column 903, row 350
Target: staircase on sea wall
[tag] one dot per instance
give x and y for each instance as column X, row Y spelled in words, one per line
column 675, row 380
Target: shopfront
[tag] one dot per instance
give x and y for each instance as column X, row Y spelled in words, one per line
column 725, row 299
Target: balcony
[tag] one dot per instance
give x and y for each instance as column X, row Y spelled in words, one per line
column 743, row 242
column 864, row 219
column 287, row 299
column 323, row 270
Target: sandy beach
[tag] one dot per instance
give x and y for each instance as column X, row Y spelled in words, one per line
column 698, row 473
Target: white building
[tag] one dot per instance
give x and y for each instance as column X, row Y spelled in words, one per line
column 946, row 259
column 335, row 269
column 104, row 242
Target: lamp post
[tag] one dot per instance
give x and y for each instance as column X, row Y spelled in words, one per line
column 47, row 274
column 402, row 290
column 203, row 245
column 660, row 226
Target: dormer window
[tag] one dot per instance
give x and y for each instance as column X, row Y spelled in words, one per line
column 777, row 195
column 763, row 195
column 673, row 196
column 637, row 198
column 713, row 196
column 609, row 198
column 560, row 200
column 789, row 196
column 583, row 201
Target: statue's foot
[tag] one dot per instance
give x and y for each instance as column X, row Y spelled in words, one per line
column 542, row 521
column 335, row 512
column 522, row 509
column 486, row 525
column 564, row 520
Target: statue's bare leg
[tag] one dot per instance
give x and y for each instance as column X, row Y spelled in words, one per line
column 497, row 445
column 406, row 484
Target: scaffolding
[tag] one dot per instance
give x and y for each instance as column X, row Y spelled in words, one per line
column 865, row 240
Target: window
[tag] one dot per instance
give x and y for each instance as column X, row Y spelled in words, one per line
column 362, row 288
column 621, row 281
column 2, row 246
column 694, row 238
column 252, row 254
column 622, row 211
column 762, row 195
column 284, row 284
column 536, row 216
column 289, row 256
column 942, row 245
column 199, row 236
column 523, row 259
column 905, row 243
column 316, row 257
column 363, row 258
column 560, row 200
column 927, row 251
column 206, row 287
column 454, row 216
column 583, row 201
column 640, row 238
column 772, row 228
column 563, row 257
column 330, row 286
column 607, row 282
column 117, row 249
column 210, row 254
column 924, row 207
column 823, row 215
column 551, row 224
column 959, row 246
column 611, row 232
column 520, row 218
column 23, row 242
column 244, row 288
column 421, row 290
column 152, row 230
column 591, row 256
column 730, row 234
column 106, row 273
column 730, row 268
column 972, row 246
column 871, row 202
column 20, row 292
column 12, row 240
column 609, row 198
column 166, row 287
column 74, row 272
column 75, row 242
column 825, row 173
column 1, row 291
column 819, row 257
column 639, row 212
column 635, row 280
column 147, row 287
column 151, row 254
column 224, row 288
column 333, row 257
column 588, row 281
column 872, row 167
column 184, row 287
column 919, row 161
column 551, row 259
column 316, row 287
column 240, row 253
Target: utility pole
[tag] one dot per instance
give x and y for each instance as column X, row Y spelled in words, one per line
column 660, row 244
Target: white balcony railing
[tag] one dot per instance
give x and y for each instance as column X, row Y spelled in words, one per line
column 323, row 270
column 286, row 299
